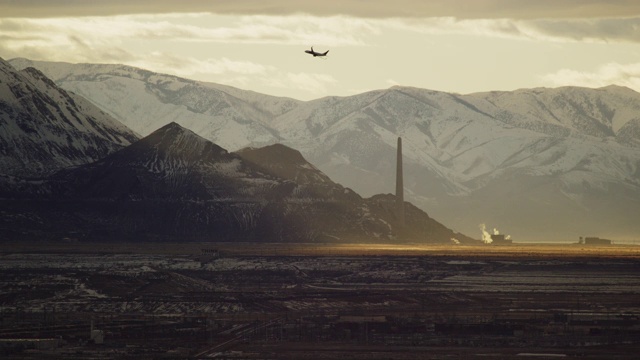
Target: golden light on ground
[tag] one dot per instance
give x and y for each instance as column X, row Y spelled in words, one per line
column 305, row 249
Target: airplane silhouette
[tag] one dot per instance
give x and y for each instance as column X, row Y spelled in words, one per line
column 314, row 53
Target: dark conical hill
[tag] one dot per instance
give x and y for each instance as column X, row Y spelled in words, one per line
column 173, row 185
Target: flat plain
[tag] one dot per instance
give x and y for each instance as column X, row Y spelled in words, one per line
column 319, row 301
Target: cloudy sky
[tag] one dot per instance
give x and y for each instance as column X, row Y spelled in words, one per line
column 460, row 46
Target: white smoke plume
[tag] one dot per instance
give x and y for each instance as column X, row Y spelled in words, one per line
column 486, row 237
column 455, row 241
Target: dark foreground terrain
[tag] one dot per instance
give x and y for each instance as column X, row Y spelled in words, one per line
column 318, row 302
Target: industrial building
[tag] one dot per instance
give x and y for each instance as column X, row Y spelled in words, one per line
column 596, row 241
column 499, row 239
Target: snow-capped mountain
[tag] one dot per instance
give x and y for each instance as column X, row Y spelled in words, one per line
column 471, row 160
column 550, row 164
column 175, row 185
column 145, row 101
column 44, row 128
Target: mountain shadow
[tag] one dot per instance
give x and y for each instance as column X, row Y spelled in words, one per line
column 174, row 185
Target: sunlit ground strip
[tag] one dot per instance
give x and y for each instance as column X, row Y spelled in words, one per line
column 303, row 249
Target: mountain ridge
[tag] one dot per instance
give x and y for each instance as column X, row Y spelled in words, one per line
column 46, row 128
column 584, row 143
column 174, row 185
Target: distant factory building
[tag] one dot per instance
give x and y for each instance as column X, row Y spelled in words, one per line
column 499, row 239
column 596, row 241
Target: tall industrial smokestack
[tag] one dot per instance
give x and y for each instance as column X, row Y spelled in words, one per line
column 399, row 185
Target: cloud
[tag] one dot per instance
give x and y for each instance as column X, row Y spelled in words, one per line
column 57, row 40
column 619, row 74
column 188, row 67
column 307, row 82
column 337, row 31
column 20, row 34
column 464, row 9
column 558, row 30
column 148, row 41
column 240, row 74
column 116, row 39
column 392, row 82
column 334, row 30
column 590, row 30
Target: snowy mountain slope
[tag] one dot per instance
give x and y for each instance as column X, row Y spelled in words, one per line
column 596, row 112
column 44, row 128
column 463, row 148
column 466, row 157
column 460, row 156
column 145, row 101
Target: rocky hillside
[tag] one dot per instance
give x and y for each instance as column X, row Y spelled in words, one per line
column 174, row 185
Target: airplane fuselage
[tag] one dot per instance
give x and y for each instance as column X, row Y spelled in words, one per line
column 314, row 53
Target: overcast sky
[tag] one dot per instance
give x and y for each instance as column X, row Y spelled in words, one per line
column 458, row 46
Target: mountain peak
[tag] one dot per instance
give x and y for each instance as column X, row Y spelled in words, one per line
column 48, row 129
column 169, row 149
column 38, row 75
column 284, row 162
column 177, row 138
column 174, row 127
column 175, row 132
column 619, row 89
column 5, row 62
column 278, row 153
